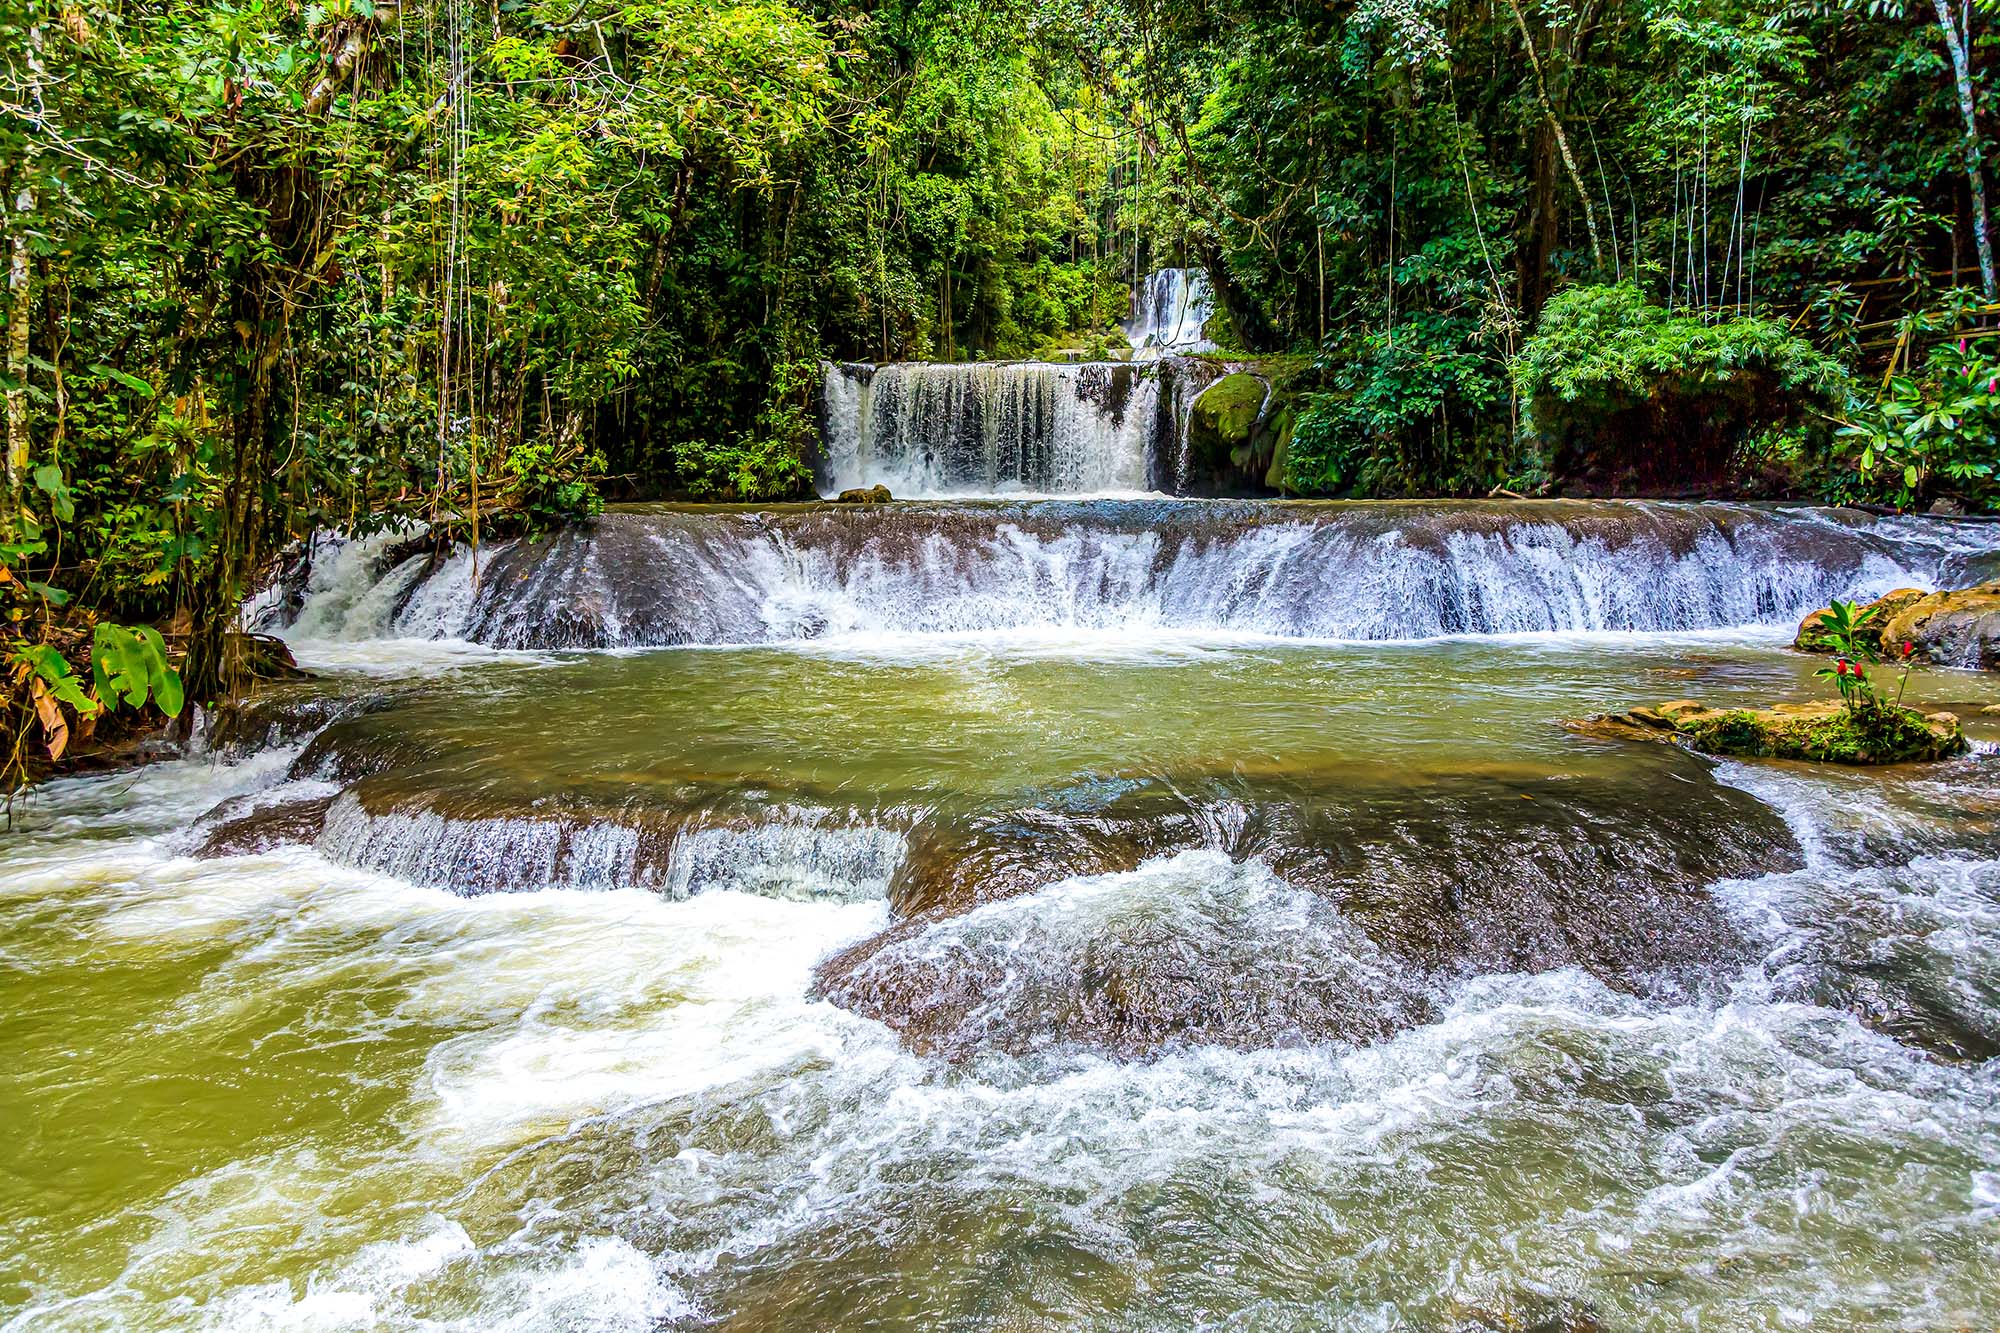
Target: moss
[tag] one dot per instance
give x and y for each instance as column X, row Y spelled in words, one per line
column 1225, row 416
column 1869, row 733
column 1281, row 450
column 1827, row 732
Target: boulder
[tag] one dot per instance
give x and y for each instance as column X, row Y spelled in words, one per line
column 1224, row 418
column 1812, row 636
column 864, row 495
column 1952, row 629
column 1825, row 731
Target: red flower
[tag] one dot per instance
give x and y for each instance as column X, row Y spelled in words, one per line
column 1908, row 647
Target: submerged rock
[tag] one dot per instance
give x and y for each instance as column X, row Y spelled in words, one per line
column 250, row 826
column 1824, row 731
column 1260, row 913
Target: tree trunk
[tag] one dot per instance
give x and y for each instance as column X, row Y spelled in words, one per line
column 1974, row 172
column 19, row 301
column 1244, row 313
column 1556, row 128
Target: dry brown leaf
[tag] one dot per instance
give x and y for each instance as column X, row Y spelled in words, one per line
column 54, row 725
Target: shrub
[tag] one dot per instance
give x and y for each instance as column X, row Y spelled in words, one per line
column 551, row 479
column 1623, row 396
column 769, row 462
column 1930, row 433
column 1404, row 414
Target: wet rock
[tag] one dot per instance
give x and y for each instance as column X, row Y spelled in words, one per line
column 1194, row 949
column 250, row 826
column 1824, row 731
column 661, row 575
column 1193, row 913
column 1952, row 629
column 1224, row 417
column 864, row 495
column 263, row 657
column 1813, row 638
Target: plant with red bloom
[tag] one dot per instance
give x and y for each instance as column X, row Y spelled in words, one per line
column 1845, row 631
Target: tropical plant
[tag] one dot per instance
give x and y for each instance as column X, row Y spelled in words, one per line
column 1844, row 630
column 1928, row 434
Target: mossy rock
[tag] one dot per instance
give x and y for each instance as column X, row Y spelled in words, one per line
column 1812, row 636
column 1954, row 629
column 1224, row 417
column 1281, row 449
column 1824, row 732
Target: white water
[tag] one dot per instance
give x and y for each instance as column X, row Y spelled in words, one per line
column 1341, row 575
column 625, row 1109
column 796, row 857
column 929, row 430
column 1169, row 311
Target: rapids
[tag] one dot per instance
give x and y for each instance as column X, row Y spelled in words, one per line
column 1103, row 914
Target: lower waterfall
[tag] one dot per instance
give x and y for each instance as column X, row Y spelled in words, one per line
column 661, row 575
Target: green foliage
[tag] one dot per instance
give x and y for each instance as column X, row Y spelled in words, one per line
column 129, row 666
column 1404, row 414
column 767, row 462
column 1852, row 638
column 552, row 480
column 1931, row 433
column 1615, row 384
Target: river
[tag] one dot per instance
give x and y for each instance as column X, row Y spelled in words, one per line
column 1120, row 914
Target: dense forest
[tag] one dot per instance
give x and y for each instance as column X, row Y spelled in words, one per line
column 278, row 267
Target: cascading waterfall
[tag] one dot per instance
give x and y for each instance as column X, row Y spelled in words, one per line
column 662, row 575
column 1170, row 309
column 931, row 430
column 925, row 429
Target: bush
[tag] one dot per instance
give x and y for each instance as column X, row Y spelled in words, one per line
column 1408, row 414
column 551, row 480
column 1928, row 434
column 1624, row 397
column 768, row 462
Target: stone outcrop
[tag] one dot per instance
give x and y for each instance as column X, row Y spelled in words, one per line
column 1960, row 628
column 1812, row 636
column 1952, row 629
column 1223, row 420
column 864, row 495
column 1824, row 731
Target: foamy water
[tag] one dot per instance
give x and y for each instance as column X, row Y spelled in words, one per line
column 625, row 1109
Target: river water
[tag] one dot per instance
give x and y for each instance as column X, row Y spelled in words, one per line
column 1070, row 915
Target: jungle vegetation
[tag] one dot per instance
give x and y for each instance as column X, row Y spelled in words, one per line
column 276, row 266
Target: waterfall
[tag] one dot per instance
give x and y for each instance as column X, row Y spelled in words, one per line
column 662, row 575
column 990, row 428
column 1169, row 310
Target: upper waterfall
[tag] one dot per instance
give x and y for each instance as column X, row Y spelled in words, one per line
column 1170, row 309
column 930, row 430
